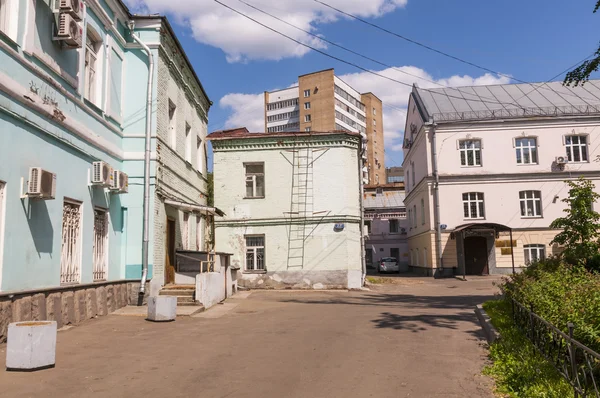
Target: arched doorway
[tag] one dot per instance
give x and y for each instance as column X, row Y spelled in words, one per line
column 476, row 255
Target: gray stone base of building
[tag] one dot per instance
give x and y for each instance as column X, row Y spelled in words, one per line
column 294, row 280
column 66, row 305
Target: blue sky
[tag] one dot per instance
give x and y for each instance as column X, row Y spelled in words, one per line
column 237, row 60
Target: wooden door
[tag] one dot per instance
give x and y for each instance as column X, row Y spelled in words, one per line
column 476, row 255
column 170, row 255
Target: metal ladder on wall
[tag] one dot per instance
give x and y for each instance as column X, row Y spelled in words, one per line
column 301, row 206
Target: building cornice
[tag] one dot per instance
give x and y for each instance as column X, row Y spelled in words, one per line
column 279, row 143
column 286, row 221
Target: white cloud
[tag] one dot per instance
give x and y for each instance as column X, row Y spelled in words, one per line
column 242, row 39
column 248, row 109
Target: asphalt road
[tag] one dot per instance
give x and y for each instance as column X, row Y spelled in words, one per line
column 415, row 338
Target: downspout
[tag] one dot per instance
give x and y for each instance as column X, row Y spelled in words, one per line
column 361, row 150
column 145, row 226
column 436, row 202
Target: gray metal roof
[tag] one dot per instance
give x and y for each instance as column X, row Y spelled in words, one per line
column 388, row 199
column 510, row 101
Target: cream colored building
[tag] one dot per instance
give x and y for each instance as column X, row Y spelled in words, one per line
column 495, row 159
column 292, row 204
column 323, row 102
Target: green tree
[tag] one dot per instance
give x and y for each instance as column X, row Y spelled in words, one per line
column 580, row 227
column 582, row 73
column 210, row 186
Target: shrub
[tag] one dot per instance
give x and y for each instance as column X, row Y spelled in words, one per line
column 518, row 368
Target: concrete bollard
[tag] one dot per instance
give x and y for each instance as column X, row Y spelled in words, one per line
column 162, row 308
column 31, row 345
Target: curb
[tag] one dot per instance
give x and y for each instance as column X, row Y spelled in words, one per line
column 491, row 334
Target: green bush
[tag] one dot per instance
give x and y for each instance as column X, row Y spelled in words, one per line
column 518, row 368
column 561, row 293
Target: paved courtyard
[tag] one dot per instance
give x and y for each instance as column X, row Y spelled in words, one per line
column 415, row 338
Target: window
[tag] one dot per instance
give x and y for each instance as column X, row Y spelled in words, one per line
column 393, row 226
column 70, row 252
column 199, row 232
column 412, row 262
column 470, row 152
column 425, row 257
column 185, row 232
column 395, row 252
column 417, row 257
column 282, row 116
column 307, row 118
column 93, row 44
column 255, row 180
column 473, row 205
column 526, row 150
column 407, row 185
column 410, row 217
column 374, row 123
column 531, row 203
column 188, row 143
column 255, row 253
column 306, row 93
column 307, row 105
column 282, row 104
column 415, row 215
column 576, row 148
column 379, row 191
column 534, row 253
column 374, row 111
column 199, row 154
column 4, row 16
column 285, row 127
column 100, row 251
column 413, row 175
column 172, row 125
column 422, row 211
column 342, row 93
column 367, row 227
column 307, row 129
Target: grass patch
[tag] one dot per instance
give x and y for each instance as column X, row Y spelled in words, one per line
column 375, row 280
column 518, row 368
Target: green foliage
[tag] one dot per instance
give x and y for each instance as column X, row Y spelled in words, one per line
column 581, row 230
column 582, row 73
column 518, row 368
column 210, row 186
column 561, row 293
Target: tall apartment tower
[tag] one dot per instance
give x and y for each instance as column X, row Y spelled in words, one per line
column 323, row 102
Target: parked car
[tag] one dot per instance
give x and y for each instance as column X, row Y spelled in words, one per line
column 388, row 264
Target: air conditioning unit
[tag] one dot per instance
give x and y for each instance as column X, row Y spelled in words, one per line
column 102, row 174
column 562, row 160
column 41, row 184
column 69, row 30
column 120, row 182
column 72, row 7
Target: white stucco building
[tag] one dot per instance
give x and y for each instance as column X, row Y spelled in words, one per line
column 494, row 158
column 386, row 224
column 292, row 204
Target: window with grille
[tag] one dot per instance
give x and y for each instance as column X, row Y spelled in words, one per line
column 255, row 180
column 100, row 252
column 394, row 226
column 185, row 233
column 70, row 253
column 470, row 152
column 531, row 203
column 526, row 149
column 577, row 150
column 534, row 253
column 473, row 206
column 255, row 253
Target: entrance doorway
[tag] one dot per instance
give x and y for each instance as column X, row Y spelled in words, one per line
column 369, row 258
column 476, row 255
column 170, row 255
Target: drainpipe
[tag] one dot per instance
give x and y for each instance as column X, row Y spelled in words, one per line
column 361, row 150
column 436, row 201
column 145, row 226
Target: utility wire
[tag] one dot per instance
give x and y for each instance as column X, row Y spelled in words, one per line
column 322, row 38
column 438, row 51
column 348, row 62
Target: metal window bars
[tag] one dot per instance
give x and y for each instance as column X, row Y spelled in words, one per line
column 100, row 251
column 70, row 259
column 578, row 364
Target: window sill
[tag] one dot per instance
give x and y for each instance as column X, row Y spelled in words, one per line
column 258, row 271
column 531, row 217
column 470, row 167
column 473, row 219
column 528, row 164
column 254, row 197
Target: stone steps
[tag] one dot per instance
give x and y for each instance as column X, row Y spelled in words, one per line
column 184, row 294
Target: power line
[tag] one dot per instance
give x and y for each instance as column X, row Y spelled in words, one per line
column 348, row 62
column 438, row 51
column 322, row 38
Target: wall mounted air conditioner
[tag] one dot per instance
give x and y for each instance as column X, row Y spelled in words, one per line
column 41, row 184
column 102, row 174
column 72, row 7
column 562, row 160
column 69, row 31
column 120, row 182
